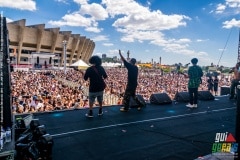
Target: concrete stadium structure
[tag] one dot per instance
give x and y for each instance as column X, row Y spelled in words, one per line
column 26, row 40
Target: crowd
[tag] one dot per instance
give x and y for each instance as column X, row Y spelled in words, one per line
column 39, row 91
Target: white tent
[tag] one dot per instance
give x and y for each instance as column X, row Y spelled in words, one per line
column 80, row 64
column 110, row 64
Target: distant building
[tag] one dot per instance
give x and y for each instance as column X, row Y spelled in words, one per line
column 104, row 56
column 24, row 40
column 212, row 69
column 115, row 58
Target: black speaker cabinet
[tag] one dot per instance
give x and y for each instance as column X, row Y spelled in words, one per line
column 182, row 97
column 134, row 104
column 205, row 95
column 160, row 98
column 225, row 90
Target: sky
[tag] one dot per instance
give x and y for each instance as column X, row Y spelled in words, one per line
column 174, row 31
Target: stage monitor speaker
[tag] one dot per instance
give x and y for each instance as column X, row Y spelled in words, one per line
column 225, row 90
column 160, row 98
column 205, row 95
column 134, row 104
column 182, row 97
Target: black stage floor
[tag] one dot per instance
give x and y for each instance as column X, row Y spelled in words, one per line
column 158, row 132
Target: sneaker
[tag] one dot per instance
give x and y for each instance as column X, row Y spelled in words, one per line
column 100, row 112
column 140, row 107
column 123, row 109
column 190, row 105
column 194, row 105
column 89, row 114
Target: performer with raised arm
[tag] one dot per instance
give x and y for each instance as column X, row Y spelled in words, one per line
column 132, row 82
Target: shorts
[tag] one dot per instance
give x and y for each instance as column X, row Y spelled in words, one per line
column 94, row 95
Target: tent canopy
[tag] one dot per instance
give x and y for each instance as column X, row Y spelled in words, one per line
column 80, row 64
column 110, row 64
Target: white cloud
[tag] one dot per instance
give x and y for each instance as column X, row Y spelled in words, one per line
column 20, row 4
column 93, row 29
column 221, row 49
column 139, row 24
column 141, row 18
column 87, row 16
column 81, row 1
column 74, row 19
column 233, row 3
column 9, row 20
column 201, row 40
column 229, row 7
column 220, row 8
column 184, row 40
column 100, row 38
column 96, row 11
column 108, row 44
column 62, row 1
column 231, row 23
column 115, row 51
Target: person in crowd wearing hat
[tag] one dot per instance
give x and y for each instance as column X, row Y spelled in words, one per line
column 132, row 82
column 194, row 74
column 96, row 75
column 236, row 79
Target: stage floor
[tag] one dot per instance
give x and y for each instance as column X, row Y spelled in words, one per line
column 158, row 132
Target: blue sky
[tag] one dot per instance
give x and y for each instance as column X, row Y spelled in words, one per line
column 175, row 30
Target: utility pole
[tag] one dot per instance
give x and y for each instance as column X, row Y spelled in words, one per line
column 128, row 53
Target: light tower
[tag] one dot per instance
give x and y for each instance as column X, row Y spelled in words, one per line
column 64, row 52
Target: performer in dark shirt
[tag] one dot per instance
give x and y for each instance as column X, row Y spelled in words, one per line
column 215, row 85
column 96, row 75
column 132, row 83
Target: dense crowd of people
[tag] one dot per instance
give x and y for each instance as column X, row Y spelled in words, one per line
column 39, row 91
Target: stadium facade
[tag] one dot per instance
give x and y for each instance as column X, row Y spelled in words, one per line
column 26, row 40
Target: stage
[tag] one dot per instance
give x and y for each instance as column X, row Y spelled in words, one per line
column 158, row 132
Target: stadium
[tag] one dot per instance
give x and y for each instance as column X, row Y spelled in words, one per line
column 26, row 43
